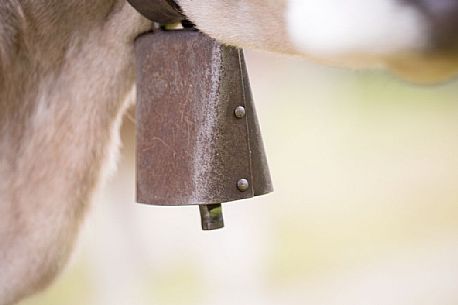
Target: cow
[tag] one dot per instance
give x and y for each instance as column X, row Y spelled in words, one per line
column 67, row 77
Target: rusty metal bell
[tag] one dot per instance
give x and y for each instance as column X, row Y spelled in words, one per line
column 198, row 138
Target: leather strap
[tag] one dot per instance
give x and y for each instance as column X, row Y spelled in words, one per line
column 161, row 11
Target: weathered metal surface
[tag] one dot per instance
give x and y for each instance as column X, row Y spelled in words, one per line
column 191, row 146
column 161, row 11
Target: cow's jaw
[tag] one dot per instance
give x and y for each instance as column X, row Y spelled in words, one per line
column 400, row 35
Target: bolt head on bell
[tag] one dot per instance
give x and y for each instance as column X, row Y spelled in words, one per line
column 240, row 112
column 243, row 185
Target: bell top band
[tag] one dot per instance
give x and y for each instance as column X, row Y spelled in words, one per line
column 161, row 11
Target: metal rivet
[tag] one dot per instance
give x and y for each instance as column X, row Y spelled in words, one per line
column 243, row 185
column 239, row 112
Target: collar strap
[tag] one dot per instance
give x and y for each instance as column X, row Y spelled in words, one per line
column 160, row 11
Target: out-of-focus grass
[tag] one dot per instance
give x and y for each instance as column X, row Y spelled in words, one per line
column 74, row 287
column 179, row 284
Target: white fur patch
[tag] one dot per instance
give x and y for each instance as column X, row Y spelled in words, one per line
column 355, row 27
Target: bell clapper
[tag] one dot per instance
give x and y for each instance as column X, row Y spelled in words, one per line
column 211, row 216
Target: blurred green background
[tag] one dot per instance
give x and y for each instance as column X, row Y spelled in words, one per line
column 365, row 208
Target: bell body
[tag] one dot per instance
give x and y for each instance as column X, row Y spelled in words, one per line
column 198, row 139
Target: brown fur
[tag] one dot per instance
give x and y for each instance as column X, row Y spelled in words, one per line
column 66, row 69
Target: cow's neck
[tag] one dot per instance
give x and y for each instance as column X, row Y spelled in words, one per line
column 65, row 71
